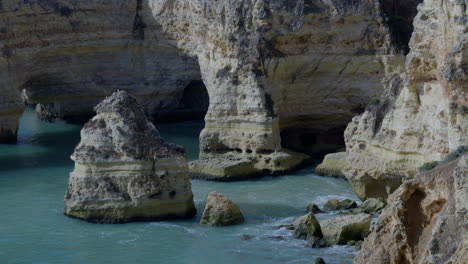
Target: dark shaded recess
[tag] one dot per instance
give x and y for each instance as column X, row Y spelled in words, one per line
column 193, row 105
column 400, row 15
column 306, row 139
column 139, row 25
column 415, row 218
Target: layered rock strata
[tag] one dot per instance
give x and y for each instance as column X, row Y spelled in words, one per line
column 283, row 77
column 422, row 116
column 425, row 221
column 124, row 171
column 69, row 55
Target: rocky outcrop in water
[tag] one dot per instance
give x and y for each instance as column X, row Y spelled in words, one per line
column 332, row 165
column 422, row 116
column 220, row 211
column 342, row 229
column 124, row 171
column 425, row 221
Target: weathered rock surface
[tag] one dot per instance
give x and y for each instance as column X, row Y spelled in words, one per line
column 68, row 55
column 220, row 211
column 425, row 220
column 342, row 229
column 370, row 206
column 270, row 67
column 423, row 113
column 335, row 204
column 266, row 77
column 307, row 227
column 313, row 208
column 124, row 171
column 332, row 165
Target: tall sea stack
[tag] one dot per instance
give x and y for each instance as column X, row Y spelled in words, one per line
column 124, row 171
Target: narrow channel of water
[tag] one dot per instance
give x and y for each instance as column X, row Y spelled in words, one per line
column 33, row 229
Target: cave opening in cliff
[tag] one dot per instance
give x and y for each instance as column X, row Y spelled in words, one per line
column 312, row 141
column 192, row 104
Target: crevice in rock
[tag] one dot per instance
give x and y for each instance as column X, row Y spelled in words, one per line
column 139, row 25
column 416, row 218
column 399, row 16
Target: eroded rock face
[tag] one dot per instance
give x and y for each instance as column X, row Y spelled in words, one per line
column 124, row 171
column 424, row 221
column 423, row 113
column 271, row 68
column 68, row 55
column 220, row 211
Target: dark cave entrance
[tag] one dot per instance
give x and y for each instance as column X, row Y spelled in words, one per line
column 193, row 105
column 311, row 141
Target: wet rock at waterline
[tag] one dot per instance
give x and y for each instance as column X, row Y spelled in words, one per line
column 332, row 165
column 334, row 205
column 313, row 208
column 342, row 229
column 220, row 211
column 306, row 227
column 369, row 206
column 124, row 171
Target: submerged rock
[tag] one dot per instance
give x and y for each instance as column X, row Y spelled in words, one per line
column 220, row 211
column 124, row 171
column 342, row 229
column 332, row 165
column 306, row 227
column 425, row 220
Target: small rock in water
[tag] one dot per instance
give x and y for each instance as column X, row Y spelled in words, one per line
column 245, row 237
column 348, row 204
column 319, row 261
column 335, row 205
column 307, row 226
column 220, row 211
column 332, row 205
column 342, row 229
column 313, row 208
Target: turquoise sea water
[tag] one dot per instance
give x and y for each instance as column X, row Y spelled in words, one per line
column 33, row 229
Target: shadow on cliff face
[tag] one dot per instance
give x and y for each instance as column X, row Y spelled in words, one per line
column 400, row 15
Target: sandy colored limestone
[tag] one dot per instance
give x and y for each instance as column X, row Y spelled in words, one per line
column 124, row 171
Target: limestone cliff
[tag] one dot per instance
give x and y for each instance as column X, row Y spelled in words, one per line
column 423, row 114
column 68, row 55
column 124, row 171
column 426, row 220
column 282, row 75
